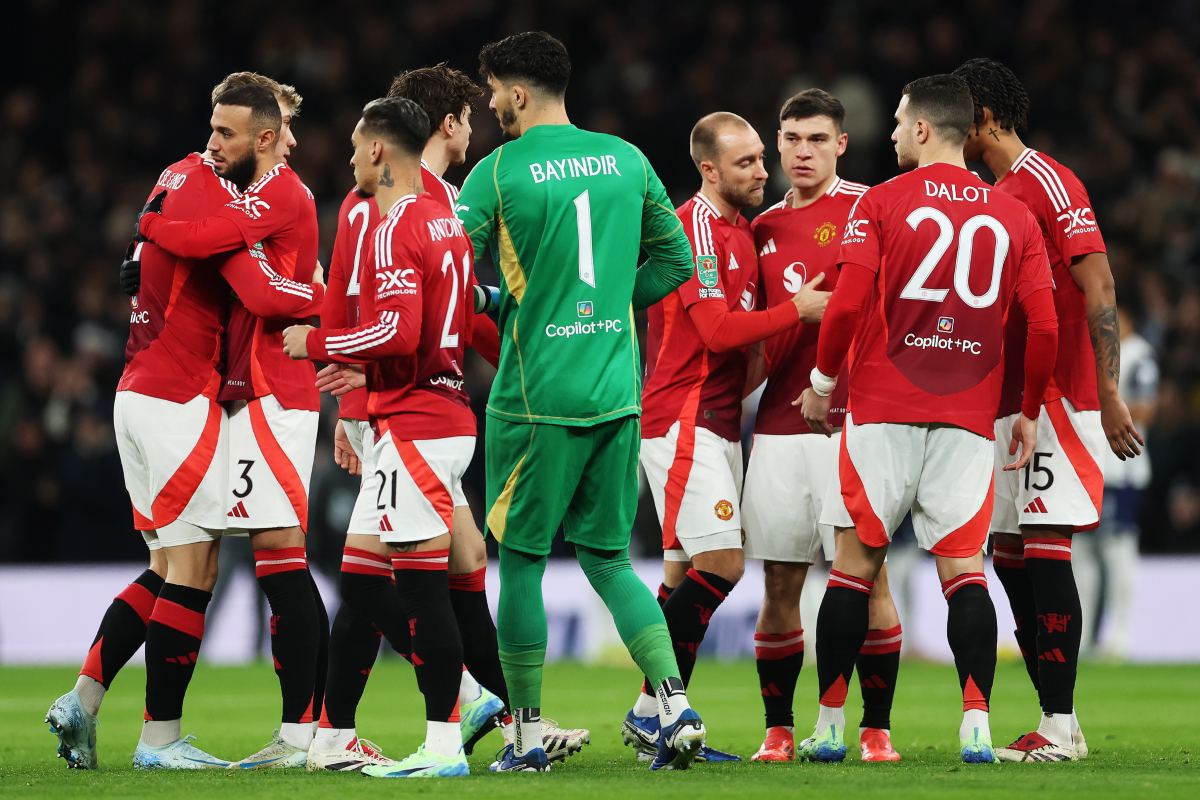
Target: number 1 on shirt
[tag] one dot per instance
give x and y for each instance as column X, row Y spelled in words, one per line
column 583, row 215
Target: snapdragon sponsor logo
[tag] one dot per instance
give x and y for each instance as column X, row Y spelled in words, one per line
column 584, row 328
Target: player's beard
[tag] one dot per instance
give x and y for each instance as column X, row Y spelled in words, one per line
column 508, row 121
column 905, row 158
column 240, row 171
column 740, row 197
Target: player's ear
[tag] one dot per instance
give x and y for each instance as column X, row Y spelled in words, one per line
column 843, row 140
column 376, row 151
column 447, row 126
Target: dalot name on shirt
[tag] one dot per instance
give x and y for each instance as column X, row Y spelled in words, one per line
column 955, row 194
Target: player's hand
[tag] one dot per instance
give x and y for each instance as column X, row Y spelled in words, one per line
column 319, row 274
column 343, row 452
column 131, row 272
column 815, row 409
column 340, row 379
column 153, row 206
column 1122, row 436
column 1024, row 433
column 295, row 342
column 810, row 301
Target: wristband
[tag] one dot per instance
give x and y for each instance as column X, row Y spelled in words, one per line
column 822, row 384
column 487, row 298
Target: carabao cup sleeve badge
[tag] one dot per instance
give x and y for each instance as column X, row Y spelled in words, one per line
column 706, row 270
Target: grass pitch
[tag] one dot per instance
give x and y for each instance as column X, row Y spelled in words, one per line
column 1141, row 724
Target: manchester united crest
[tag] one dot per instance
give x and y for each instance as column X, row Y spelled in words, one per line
column 724, row 510
column 825, row 233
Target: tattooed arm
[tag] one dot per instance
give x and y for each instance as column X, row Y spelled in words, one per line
column 1094, row 277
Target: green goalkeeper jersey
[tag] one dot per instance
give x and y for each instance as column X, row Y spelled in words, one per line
column 569, row 210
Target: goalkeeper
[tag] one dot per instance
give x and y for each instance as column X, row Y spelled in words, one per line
column 568, row 210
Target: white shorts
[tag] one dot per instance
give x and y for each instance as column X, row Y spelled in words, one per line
column 783, row 496
column 174, row 457
column 414, row 489
column 271, row 452
column 696, row 480
column 362, row 439
column 1064, row 482
column 942, row 473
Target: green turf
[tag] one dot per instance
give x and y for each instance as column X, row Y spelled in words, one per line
column 1141, row 724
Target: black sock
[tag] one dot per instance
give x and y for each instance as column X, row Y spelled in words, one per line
column 123, row 629
column 688, row 611
column 1059, row 621
column 664, row 592
column 318, row 701
column 779, row 657
column 841, row 630
column 481, row 654
column 173, row 639
column 283, row 575
column 437, row 651
column 971, row 632
column 878, row 665
column 1009, row 563
column 353, row 646
column 374, row 597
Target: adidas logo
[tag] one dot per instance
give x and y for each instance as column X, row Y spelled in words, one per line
column 768, row 248
column 190, row 658
column 239, row 511
column 1036, row 507
column 384, row 525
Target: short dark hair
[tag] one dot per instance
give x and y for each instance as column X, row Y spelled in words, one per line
column 398, row 120
column 814, row 103
column 945, row 101
column 438, row 91
column 533, row 57
column 264, row 108
column 283, row 91
column 994, row 86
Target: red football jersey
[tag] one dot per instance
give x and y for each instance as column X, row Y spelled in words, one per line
column 440, row 189
column 415, row 322
column 357, row 219
column 1064, row 213
column 179, row 315
column 794, row 246
column 276, row 213
column 684, row 379
column 950, row 254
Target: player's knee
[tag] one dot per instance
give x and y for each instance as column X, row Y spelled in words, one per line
column 782, row 582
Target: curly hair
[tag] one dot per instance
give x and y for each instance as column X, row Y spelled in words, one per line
column 438, row 91
column 533, row 56
column 995, row 87
column 283, row 91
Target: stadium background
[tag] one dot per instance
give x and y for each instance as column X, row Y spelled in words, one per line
column 98, row 97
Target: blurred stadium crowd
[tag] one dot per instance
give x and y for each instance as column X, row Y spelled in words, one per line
column 98, row 97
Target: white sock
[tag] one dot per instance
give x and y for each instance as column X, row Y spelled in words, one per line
column 156, row 733
column 646, row 706
column 91, row 693
column 672, row 700
column 527, row 730
column 1056, row 728
column 316, row 724
column 334, row 738
column 297, row 734
column 831, row 715
column 1075, row 724
column 443, row 738
column 469, row 689
column 974, row 718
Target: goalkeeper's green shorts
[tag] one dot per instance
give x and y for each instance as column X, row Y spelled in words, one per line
column 541, row 475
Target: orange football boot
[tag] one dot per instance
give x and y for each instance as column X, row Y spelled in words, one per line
column 780, row 745
column 877, row 746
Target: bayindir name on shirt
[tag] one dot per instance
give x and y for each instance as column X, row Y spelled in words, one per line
column 574, row 168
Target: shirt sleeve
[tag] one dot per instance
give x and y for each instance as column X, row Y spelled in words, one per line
column 722, row 329
column 485, row 338
column 479, row 202
column 242, row 222
column 665, row 241
column 1033, row 273
column 841, row 316
column 1068, row 211
column 395, row 332
column 264, row 292
column 860, row 244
